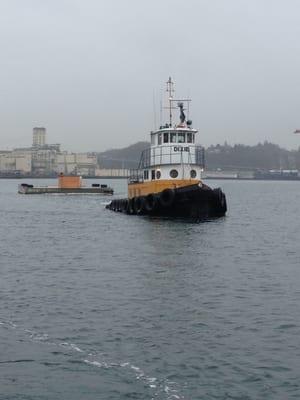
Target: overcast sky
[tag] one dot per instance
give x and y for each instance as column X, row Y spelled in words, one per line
column 91, row 71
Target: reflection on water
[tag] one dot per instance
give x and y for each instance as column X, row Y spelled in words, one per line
column 97, row 304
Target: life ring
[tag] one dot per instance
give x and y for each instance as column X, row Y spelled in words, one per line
column 166, row 197
column 138, row 204
column 150, row 202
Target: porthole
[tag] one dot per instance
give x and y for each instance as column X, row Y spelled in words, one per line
column 158, row 174
column 193, row 174
column 173, row 173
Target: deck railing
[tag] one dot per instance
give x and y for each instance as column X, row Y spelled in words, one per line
column 135, row 176
column 165, row 155
column 176, row 154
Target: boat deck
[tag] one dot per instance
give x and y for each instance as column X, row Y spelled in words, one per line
column 23, row 189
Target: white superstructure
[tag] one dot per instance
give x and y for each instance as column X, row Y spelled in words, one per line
column 173, row 154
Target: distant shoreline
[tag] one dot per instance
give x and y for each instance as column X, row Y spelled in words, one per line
column 224, row 178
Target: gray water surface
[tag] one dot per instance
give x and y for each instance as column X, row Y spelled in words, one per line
column 101, row 305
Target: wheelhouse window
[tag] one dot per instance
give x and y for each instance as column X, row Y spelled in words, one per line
column 153, row 174
column 189, row 137
column 159, row 139
column 146, row 174
column 172, row 137
column 181, row 137
column 166, row 137
column 152, row 139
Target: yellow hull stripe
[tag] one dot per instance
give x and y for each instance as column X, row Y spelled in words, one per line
column 156, row 186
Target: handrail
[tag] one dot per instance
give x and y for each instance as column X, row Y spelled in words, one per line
column 135, row 176
column 163, row 153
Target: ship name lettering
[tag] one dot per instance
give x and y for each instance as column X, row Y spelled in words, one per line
column 181, row 148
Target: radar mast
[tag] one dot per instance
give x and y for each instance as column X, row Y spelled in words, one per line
column 180, row 104
column 170, row 90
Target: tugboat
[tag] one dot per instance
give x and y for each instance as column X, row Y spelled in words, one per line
column 168, row 179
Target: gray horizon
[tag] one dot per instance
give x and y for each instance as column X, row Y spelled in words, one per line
column 93, row 72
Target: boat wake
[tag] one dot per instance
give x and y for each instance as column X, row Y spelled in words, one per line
column 161, row 388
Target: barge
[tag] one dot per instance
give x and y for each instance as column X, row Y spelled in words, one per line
column 168, row 179
column 66, row 185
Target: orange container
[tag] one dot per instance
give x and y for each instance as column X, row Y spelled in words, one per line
column 69, row 181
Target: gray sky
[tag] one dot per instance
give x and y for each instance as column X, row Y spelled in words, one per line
column 88, row 70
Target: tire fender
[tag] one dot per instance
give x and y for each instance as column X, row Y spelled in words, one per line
column 150, row 202
column 166, row 197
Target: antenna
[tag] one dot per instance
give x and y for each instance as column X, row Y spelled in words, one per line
column 154, row 110
column 170, row 90
column 188, row 105
column 160, row 111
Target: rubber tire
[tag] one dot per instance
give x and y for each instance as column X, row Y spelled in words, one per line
column 166, row 197
column 124, row 205
column 130, row 208
column 138, row 205
column 150, row 202
column 220, row 200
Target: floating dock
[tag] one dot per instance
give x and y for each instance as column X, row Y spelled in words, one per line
column 66, row 185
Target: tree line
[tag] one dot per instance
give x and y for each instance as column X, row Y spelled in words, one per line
column 264, row 156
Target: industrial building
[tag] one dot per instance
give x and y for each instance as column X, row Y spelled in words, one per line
column 39, row 137
column 42, row 159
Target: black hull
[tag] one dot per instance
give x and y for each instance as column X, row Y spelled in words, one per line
column 200, row 202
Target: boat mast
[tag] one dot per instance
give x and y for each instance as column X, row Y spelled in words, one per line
column 170, row 90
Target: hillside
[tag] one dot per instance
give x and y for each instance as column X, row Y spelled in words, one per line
column 261, row 156
column 127, row 157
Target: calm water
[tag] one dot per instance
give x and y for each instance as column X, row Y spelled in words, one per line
column 100, row 305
